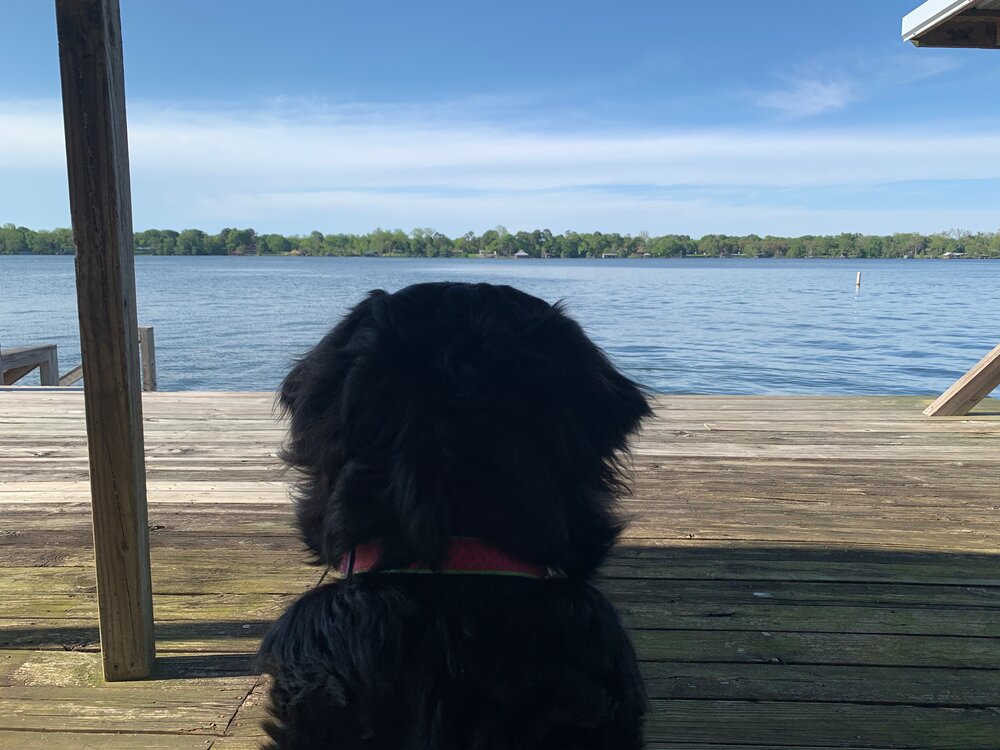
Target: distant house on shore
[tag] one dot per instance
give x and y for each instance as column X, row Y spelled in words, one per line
column 521, row 254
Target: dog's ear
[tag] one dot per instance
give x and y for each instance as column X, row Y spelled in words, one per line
column 316, row 373
column 362, row 432
column 606, row 406
column 312, row 397
column 587, row 411
column 616, row 405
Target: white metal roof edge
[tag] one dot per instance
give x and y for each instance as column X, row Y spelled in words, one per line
column 932, row 13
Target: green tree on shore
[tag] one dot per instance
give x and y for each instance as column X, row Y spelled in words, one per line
column 429, row 243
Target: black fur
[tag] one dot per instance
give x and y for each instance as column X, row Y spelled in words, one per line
column 447, row 410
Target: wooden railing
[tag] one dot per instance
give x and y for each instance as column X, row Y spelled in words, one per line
column 16, row 363
column 72, row 376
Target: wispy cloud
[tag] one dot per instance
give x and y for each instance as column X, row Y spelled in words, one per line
column 902, row 70
column 324, row 152
column 360, row 167
column 810, row 96
column 823, row 86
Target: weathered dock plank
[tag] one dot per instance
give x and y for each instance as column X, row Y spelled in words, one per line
column 798, row 573
column 57, row 740
column 822, row 684
column 689, row 723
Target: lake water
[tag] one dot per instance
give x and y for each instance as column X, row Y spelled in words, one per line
column 735, row 326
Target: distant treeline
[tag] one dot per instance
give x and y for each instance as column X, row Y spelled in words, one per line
column 539, row 243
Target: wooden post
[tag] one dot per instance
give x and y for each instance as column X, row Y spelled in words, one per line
column 147, row 356
column 48, row 369
column 970, row 389
column 93, row 88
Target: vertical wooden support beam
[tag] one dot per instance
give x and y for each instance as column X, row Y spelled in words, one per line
column 969, row 389
column 93, row 88
column 147, row 356
column 48, row 369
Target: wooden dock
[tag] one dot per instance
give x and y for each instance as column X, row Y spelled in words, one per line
column 799, row 573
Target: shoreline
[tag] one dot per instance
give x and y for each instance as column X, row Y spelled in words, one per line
column 529, row 258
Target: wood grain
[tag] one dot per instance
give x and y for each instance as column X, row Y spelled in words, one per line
column 969, row 389
column 93, row 88
column 147, row 357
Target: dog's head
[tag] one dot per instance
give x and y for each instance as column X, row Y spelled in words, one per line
column 451, row 409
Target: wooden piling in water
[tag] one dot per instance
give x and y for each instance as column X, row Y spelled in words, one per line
column 147, row 351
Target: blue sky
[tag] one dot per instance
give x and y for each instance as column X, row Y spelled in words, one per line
column 772, row 117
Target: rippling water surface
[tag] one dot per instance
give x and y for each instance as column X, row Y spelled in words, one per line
column 679, row 326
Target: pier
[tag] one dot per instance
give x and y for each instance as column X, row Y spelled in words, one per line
column 798, row 573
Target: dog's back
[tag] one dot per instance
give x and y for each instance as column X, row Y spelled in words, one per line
column 442, row 662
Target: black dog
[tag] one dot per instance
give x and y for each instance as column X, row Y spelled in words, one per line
column 460, row 448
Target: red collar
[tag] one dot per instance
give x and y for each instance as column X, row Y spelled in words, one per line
column 465, row 555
